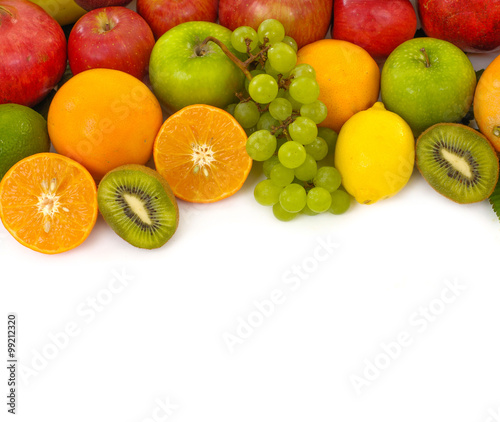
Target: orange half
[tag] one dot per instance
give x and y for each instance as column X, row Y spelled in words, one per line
column 201, row 152
column 48, row 202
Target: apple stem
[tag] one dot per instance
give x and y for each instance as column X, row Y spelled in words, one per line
column 236, row 60
column 7, row 11
column 105, row 24
column 426, row 56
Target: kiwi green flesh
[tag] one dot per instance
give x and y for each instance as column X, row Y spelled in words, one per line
column 458, row 162
column 138, row 205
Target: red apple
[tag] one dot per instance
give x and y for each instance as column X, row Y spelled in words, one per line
column 97, row 4
column 472, row 25
column 378, row 26
column 305, row 21
column 32, row 52
column 161, row 15
column 111, row 37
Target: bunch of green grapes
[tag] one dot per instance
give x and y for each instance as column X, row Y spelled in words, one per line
column 280, row 112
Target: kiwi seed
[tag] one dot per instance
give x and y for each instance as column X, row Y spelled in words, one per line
column 458, row 162
column 139, row 205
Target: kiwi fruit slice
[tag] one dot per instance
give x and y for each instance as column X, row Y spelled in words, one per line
column 458, row 162
column 139, row 205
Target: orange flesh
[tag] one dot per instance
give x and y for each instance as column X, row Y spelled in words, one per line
column 48, row 203
column 201, row 152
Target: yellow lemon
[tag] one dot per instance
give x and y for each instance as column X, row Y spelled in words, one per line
column 375, row 154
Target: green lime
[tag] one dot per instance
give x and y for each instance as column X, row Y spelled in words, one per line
column 23, row 132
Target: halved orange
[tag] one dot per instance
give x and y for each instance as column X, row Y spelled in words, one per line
column 200, row 151
column 48, row 202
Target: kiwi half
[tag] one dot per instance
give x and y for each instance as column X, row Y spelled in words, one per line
column 458, row 162
column 139, row 205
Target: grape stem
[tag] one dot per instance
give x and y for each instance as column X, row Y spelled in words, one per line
column 236, row 60
column 242, row 65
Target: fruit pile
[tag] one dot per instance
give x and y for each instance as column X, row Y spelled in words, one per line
column 123, row 113
column 281, row 114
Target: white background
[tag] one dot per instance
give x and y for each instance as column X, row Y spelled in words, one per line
column 160, row 342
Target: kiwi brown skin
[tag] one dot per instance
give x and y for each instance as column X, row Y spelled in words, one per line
column 122, row 218
column 484, row 151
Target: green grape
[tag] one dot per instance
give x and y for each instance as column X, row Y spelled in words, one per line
column 341, row 201
column 328, row 161
column 254, row 73
column 303, row 130
column 282, row 175
column 299, row 182
column 319, row 199
column 268, row 165
column 318, row 148
column 282, row 214
column 239, row 36
column 328, row 178
column 267, row 193
column 307, row 170
column 247, row 114
column 271, row 70
column 250, row 130
column 230, row 108
column 281, row 141
column 291, row 42
column 281, row 93
column 316, row 111
column 282, row 57
column 295, row 104
column 280, row 108
column 304, row 90
column 303, row 69
column 272, row 29
column 293, row 198
column 330, row 137
column 263, row 88
column 261, row 145
column 292, row 154
column 256, row 50
column 307, row 211
column 267, row 121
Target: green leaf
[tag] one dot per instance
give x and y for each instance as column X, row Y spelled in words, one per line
column 495, row 200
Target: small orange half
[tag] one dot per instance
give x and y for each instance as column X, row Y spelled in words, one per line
column 48, row 202
column 201, row 152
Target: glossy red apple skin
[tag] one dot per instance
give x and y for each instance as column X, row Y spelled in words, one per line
column 32, row 52
column 378, row 26
column 97, row 4
column 472, row 25
column 161, row 15
column 306, row 20
column 111, row 37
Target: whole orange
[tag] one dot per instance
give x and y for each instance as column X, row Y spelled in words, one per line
column 487, row 103
column 348, row 77
column 104, row 118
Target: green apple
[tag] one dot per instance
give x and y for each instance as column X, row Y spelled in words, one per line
column 183, row 72
column 427, row 81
